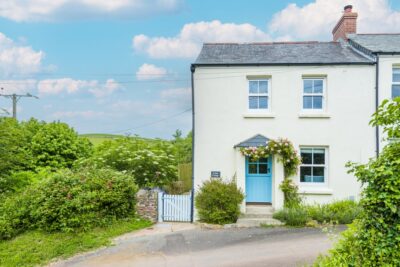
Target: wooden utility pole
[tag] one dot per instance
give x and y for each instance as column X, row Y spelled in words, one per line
column 15, row 98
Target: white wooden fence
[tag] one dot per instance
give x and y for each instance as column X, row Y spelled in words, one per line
column 174, row 208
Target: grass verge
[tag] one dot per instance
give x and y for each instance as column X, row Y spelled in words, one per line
column 38, row 248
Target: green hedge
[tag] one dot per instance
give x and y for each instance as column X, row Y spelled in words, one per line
column 69, row 200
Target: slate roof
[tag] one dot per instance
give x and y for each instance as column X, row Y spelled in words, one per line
column 377, row 43
column 283, row 53
column 255, row 141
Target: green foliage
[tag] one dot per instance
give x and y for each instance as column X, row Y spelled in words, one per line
column 218, row 202
column 374, row 239
column 69, row 200
column 282, row 147
column 37, row 248
column 345, row 251
column 290, row 160
column 183, row 147
column 296, row 216
column 14, row 147
column 184, row 183
column 18, row 181
column 152, row 164
column 291, row 195
column 31, row 145
column 56, row 145
column 340, row 212
column 388, row 116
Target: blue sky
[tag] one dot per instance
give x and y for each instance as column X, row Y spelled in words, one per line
column 122, row 66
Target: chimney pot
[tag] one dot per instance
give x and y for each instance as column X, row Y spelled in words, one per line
column 348, row 8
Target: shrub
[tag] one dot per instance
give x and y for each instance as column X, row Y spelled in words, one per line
column 18, row 181
column 218, row 202
column 14, row 152
column 341, row 212
column 68, row 201
column 56, row 145
column 296, row 216
column 374, row 238
column 152, row 164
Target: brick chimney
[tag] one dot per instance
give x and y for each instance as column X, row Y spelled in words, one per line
column 347, row 24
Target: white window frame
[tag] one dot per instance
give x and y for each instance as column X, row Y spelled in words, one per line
column 268, row 95
column 393, row 82
column 323, row 94
column 326, row 168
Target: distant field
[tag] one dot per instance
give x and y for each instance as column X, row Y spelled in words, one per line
column 97, row 139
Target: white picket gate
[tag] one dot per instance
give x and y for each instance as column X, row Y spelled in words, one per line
column 174, row 208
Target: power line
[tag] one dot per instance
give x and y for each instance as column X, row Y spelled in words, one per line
column 153, row 122
column 15, row 98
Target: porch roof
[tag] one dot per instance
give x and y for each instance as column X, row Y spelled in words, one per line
column 257, row 140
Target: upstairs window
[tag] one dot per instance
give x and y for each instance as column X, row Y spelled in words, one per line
column 258, row 94
column 313, row 167
column 396, row 82
column 313, row 94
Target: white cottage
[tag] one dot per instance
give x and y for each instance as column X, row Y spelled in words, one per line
column 319, row 95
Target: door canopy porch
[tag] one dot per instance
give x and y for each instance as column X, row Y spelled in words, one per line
column 255, row 141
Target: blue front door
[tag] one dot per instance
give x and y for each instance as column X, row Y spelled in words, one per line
column 259, row 180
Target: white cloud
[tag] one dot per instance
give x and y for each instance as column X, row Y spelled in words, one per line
column 45, row 10
column 88, row 114
column 188, row 42
column 317, row 19
column 68, row 85
column 106, row 89
column 18, row 59
column 150, row 72
column 17, row 86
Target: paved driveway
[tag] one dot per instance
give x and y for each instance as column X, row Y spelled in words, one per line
column 198, row 247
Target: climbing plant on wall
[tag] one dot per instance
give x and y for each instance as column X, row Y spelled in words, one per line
column 290, row 160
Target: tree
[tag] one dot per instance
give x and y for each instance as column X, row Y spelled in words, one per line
column 56, row 145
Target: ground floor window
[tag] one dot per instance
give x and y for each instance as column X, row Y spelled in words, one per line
column 313, row 167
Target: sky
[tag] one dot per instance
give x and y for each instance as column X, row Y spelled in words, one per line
column 123, row 66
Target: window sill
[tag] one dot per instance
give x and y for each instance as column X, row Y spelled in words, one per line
column 315, row 191
column 258, row 115
column 314, row 115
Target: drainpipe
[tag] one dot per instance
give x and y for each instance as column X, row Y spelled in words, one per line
column 377, row 103
column 192, row 70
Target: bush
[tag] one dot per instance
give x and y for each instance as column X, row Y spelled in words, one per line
column 68, row 201
column 18, row 181
column 374, row 238
column 296, row 216
column 218, row 202
column 152, row 164
column 56, row 145
column 341, row 212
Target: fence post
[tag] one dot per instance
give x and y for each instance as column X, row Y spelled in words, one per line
column 160, row 205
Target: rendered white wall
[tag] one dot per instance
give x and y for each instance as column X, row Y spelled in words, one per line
column 386, row 64
column 221, row 103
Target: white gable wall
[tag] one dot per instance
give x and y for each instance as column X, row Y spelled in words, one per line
column 221, row 100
